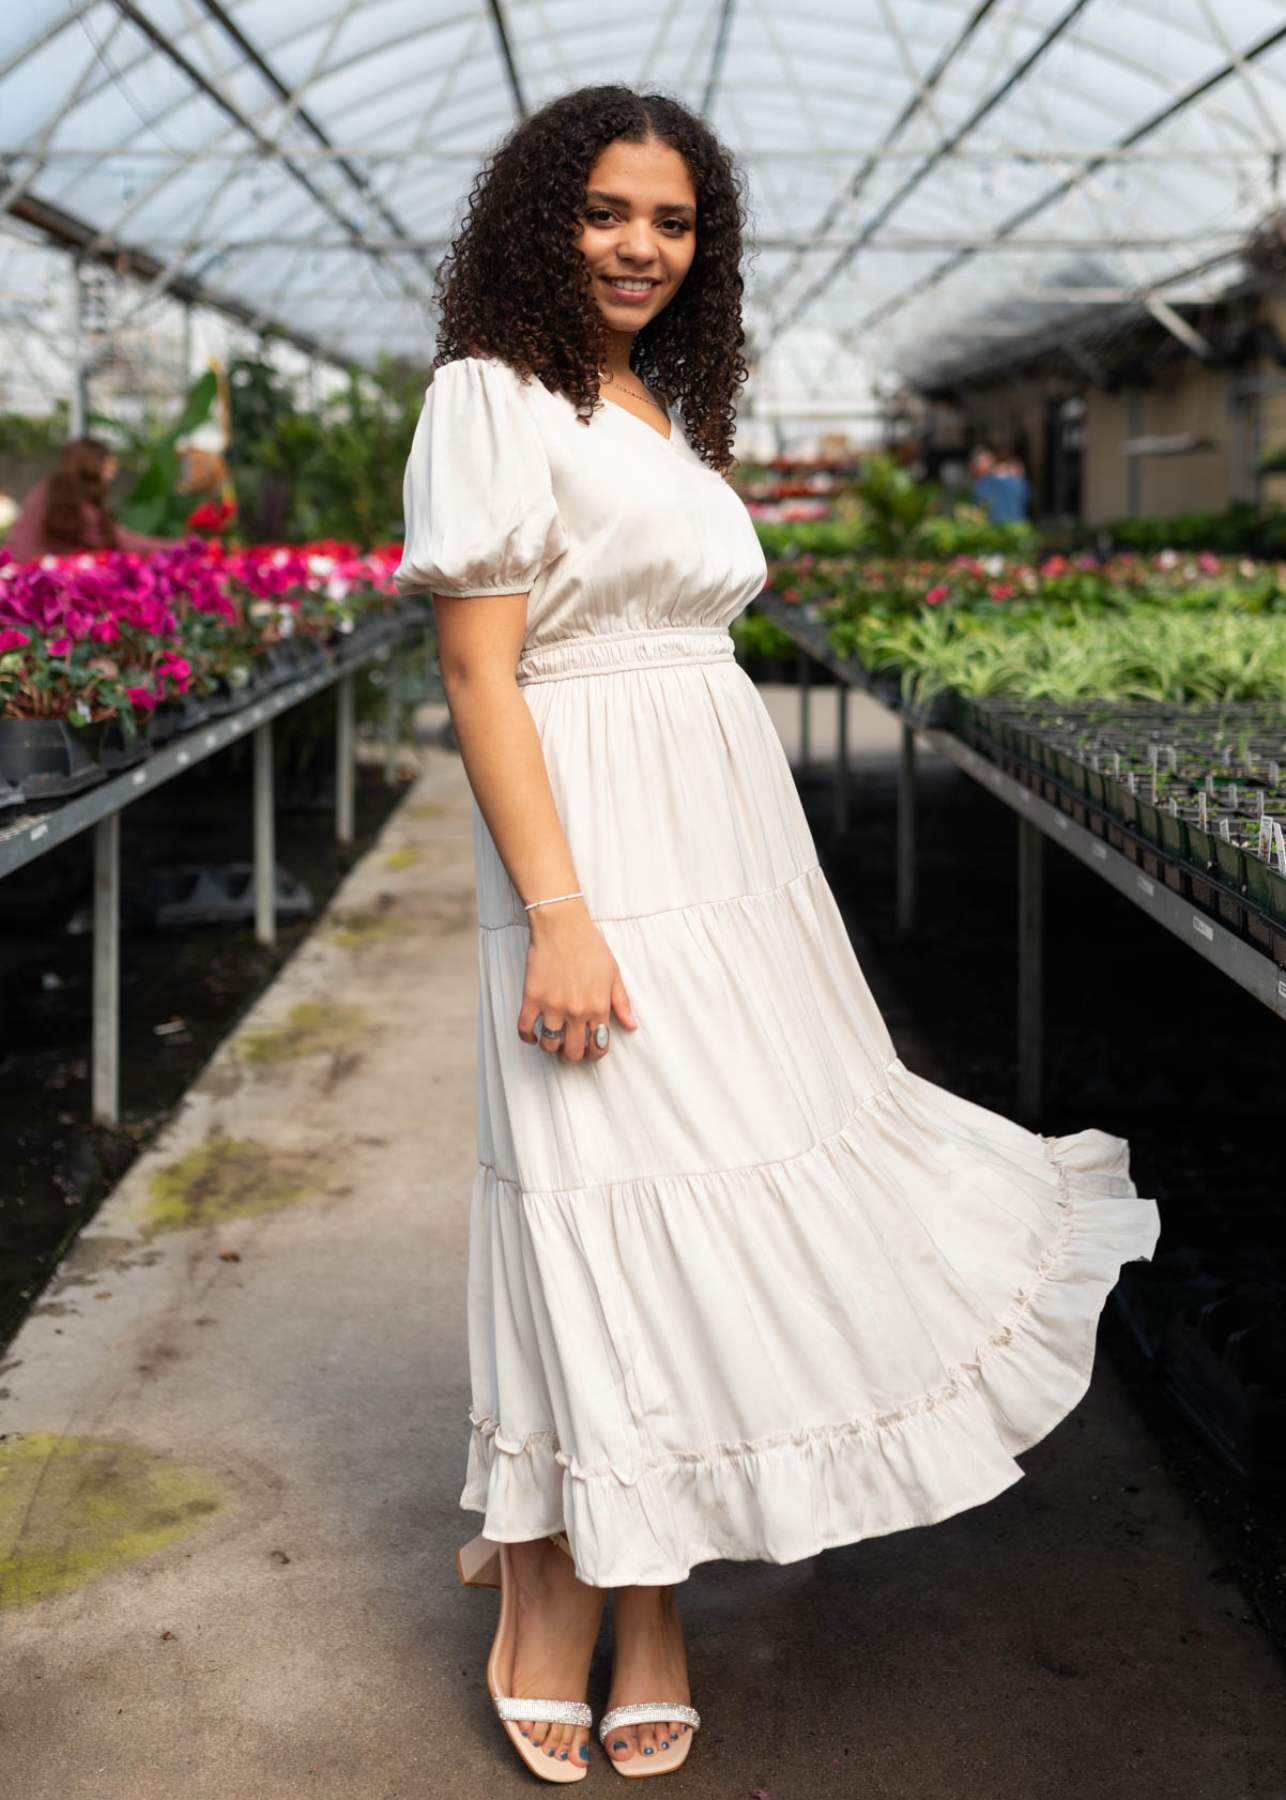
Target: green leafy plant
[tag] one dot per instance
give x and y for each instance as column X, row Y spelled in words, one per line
column 155, row 505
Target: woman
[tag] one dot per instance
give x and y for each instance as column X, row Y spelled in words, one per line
column 740, row 1284
column 67, row 510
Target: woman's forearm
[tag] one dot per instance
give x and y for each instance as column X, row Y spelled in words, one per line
column 505, row 763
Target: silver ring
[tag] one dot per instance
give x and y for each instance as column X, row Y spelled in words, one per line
column 600, row 1037
column 545, row 1032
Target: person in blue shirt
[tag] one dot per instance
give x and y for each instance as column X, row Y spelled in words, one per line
column 1000, row 486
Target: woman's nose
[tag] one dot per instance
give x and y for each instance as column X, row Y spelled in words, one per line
column 636, row 242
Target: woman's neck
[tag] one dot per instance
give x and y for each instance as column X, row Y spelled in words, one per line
column 619, row 345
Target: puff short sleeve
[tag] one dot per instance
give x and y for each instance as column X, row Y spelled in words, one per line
column 478, row 501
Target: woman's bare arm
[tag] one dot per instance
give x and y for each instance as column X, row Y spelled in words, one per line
column 572, row 977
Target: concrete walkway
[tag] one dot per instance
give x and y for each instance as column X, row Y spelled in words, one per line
column 235, row 1433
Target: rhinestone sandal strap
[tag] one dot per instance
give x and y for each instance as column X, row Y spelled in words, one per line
column 648, row 1712
column 550, row 1712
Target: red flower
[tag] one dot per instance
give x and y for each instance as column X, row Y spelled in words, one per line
column 213, row 516
column 60, row 646
column 12, row 640
column 936, row 595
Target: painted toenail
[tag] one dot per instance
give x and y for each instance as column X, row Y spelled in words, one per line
column 665, row 1743
column 562, row 1755
column 584, row 1751
column 647, row 1749
column 620, row 1744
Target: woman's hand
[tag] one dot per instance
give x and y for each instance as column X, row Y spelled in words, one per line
column 573, row 980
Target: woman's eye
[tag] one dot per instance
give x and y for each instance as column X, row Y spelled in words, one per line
column 681, row 224
column 597, row 215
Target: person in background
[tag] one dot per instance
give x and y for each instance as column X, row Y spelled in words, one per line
column 982, row 477
column 1000, row 486
column 67, row 509
column 1015, row 491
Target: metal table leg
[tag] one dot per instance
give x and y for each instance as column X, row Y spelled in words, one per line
column 906, row 835
column 390, row 720
column 265, row 839
column 105, row 1086
column 344, row 761
column 839, row 820
column 1031, row 969
column 804, row 667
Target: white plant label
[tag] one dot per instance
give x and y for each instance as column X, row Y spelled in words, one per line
column 1203, row 928
column 1145, row 886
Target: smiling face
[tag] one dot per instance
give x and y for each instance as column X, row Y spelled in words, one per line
column 637, row 231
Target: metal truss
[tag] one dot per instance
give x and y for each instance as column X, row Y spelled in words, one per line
column 911, row 167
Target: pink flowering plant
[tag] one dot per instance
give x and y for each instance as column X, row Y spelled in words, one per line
column 108, row 634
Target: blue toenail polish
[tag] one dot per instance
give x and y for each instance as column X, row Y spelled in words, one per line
column 647, row 1749
column 620, row 1744
column 665, row 1743
column 526, row 1734
column 584, row 1751
column 549, row 1753
column 562, row 1754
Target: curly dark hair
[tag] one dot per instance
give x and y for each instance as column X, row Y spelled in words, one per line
column 514, row 283
column 77, row 480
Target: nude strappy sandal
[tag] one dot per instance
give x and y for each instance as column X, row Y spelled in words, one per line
column 661, row 1762
column 484, row 1564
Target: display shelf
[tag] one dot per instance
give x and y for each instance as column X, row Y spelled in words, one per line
column 1040, row 820
column 32, row 834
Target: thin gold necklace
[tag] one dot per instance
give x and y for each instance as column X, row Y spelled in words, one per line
column 645, row 395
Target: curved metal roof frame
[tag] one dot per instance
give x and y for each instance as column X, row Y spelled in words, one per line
column 926, row 175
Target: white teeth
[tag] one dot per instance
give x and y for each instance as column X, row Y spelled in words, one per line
column 633, row 287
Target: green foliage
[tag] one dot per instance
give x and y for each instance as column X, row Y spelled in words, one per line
column 37, row 438
column 897, row 516
column 1239, row 529
column 755, row 634
column 337, row 472
column 1142, row 652
column 155, row 505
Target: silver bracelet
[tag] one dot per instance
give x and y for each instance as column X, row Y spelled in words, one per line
column 576, row 896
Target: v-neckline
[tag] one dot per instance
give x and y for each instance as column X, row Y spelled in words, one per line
column 643, row 422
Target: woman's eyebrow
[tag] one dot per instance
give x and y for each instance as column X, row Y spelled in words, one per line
column 620, row 200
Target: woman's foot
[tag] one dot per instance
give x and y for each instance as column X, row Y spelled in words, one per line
column 558, row 1620
column 648, row 1664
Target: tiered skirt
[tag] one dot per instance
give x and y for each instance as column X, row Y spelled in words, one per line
column 747, row 1287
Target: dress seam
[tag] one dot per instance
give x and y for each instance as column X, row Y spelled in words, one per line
column 686, row 906
column 777, row 1162
column 957, row 1385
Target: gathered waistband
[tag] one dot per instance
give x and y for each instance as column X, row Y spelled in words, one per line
column 608, row 652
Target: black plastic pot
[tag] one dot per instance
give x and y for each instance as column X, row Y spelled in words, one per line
column 173, row 717
column 42, row 757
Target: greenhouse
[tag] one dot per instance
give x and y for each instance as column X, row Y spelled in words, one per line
column 926, row 772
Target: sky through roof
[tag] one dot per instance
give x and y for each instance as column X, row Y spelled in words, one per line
column 931, row 179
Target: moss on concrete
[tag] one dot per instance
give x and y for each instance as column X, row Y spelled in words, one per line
column 223, row 1179
column 405, row 858
column 310, row 1029
column 366, row 928
column 73, row 1508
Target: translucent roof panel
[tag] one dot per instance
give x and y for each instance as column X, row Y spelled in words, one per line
column 929, row 177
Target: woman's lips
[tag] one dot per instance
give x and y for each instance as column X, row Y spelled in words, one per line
column 629, row 296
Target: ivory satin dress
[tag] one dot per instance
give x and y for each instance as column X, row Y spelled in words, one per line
column 747, row 1287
